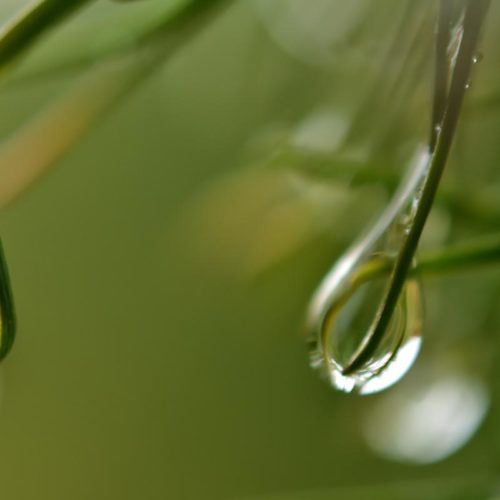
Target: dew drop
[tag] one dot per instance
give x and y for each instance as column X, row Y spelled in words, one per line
column 477, row 58
column 346, row 323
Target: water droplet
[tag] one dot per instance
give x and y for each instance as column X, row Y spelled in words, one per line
column 467, row 86
column 477, row 58
column 347, row 321
column 347, row 302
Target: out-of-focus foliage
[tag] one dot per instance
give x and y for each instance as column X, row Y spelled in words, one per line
column 161, row 271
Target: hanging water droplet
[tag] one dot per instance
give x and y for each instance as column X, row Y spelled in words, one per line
column 350, row 316
column 346, row 304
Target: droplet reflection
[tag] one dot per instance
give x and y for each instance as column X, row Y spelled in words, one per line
column 427, row 425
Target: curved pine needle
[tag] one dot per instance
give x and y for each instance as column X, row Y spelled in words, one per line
column 37, row 146
column 474, row 16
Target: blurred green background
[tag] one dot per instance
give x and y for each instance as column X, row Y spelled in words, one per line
column 162, row 270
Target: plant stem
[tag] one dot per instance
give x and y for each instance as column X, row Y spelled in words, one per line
column 455, row 258
column 481, row 251
column 474, row 15
column 37, row 18
column 441, row 71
